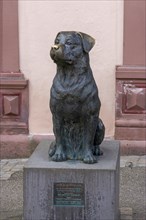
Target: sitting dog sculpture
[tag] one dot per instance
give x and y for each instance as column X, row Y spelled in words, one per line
column 74, row 101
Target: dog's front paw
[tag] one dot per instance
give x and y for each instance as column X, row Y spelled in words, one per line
column 89, row 158
column 59, row 156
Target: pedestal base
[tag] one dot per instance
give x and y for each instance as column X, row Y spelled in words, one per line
column 72, row 190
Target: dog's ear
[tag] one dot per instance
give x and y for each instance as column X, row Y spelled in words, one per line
column 57, row 35
column 88, row 41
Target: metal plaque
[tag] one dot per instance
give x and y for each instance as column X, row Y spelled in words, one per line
column 69, row 194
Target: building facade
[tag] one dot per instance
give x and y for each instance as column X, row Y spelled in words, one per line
column 118, row 61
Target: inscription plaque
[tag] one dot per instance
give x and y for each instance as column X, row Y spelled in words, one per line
column 69, row 194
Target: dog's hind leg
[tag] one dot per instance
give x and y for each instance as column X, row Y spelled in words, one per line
column 59, row 153
column 90, row 125
column 52, row 149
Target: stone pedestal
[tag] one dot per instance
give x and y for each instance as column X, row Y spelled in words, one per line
column 72, row 190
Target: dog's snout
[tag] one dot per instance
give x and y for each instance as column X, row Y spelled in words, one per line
column 55, row 47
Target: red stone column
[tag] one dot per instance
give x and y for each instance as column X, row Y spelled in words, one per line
column 131, row 81
column 9, row 36
column 13, row 85
column 134, row 48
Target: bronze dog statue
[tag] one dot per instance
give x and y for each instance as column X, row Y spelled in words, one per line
column 74, row 101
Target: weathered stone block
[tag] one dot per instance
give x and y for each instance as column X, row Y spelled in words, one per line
column 72, row 190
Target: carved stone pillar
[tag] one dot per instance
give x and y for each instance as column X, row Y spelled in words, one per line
column 13, row 104
column 13, row 85
column 131, row 82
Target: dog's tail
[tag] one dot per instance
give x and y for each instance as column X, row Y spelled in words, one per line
column 100, row 132
column 99, row 136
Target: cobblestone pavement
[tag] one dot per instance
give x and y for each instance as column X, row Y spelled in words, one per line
column 10, row 166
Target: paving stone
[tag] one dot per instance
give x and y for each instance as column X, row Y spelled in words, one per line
column 24, row 160
column 126, row 213
column 5, row 176
column 17, row 167
column 8, row 167
column 3, row 163
column 129, row 161
column 123, row 161
column 2, row 173
column 142, row 161
column 132, row 161
column 11, row 215
column 11, row 163
column 4, row 160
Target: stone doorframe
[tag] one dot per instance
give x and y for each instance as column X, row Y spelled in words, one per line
column 13, row 85
column 130, row 126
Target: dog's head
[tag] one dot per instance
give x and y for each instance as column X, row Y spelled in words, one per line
column 70, row 46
